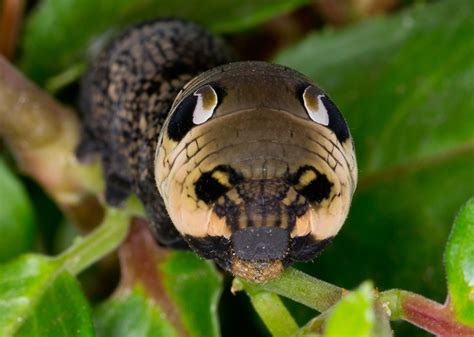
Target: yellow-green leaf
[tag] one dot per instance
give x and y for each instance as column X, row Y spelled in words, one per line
column 354, row 315
column 459, row 263
column 37, row 299
column 17, row 226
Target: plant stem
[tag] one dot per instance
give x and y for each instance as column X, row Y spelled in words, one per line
column 73, row 73
column 305, row 289
column 44, row 149
column 270, row 308
column 107, row 237
column 292, row 284
column 319, row 295
column 314, row 326
column 429, row 315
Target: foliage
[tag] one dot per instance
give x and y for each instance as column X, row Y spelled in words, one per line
column 459, row 266
column 404, row 83
column 16, row 216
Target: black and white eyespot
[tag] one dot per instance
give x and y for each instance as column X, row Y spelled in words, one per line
column 195, row 109
column 205, row 105
column 314, row 106
column 322, row 110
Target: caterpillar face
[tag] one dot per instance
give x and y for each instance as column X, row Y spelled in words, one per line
column 256, row 166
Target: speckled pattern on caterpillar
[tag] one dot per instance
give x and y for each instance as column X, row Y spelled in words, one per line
column 126, row 96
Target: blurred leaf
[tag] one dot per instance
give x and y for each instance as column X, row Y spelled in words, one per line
column 132, row 314
column 173, row 292
column 39, row 299
column 382, row 327
column 405, row 85
column 38, row 295
column 17, row 224
column 459, row 261
column 354, row 315
column 195, row 287
column 58, row 32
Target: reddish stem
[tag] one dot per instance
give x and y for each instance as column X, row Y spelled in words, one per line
column 139, row 259
column 10, row 22
column 439, row 319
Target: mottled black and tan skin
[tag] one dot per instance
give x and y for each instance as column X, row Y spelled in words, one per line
column 125, row 98
column 254, row 166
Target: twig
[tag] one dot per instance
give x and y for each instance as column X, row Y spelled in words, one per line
column 11, row 12
column 42, row 135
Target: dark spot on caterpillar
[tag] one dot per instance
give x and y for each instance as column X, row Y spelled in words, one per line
column 317, row 189
column 209, row 189
column 217, row 248
column 337, row 124
column 260, row 243
column 182, row 120
column 305, row 248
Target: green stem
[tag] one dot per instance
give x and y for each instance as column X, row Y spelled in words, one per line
column 304, row 289
column 270, row 308
column 85, row 251
column 391, row 302
column 73, row 73
column 396, row 304
column 314, row 326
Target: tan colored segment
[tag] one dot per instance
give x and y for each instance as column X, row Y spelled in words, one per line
column 218, row 227
column 306, row 178
column 256, row 271
column 303, row 225
column 222, row 178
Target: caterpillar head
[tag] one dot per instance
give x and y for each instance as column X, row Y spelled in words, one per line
column 257, row 168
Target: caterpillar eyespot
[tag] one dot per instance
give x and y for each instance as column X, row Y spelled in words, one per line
column 315, row 106
column 205, row 105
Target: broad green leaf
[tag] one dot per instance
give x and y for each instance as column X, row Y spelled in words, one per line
column 58, row 32
column 189, row 304
column 17, row 226
column 195, row 286
column 38, row 299
column 459, row 262
column 173, row 292
column 404, row 83
column 354, row 315
column 38, row 295
column 132, row 314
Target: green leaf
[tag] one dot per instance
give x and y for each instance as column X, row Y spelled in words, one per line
column 38, row 295
column 354, row 315
column 37, row 299
column 195, row 287
column 174, row 292
column 459, row 262
column 132, row 314
column 404, row 83
column 16, row 216
column 189, row 304
column 58, row 32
